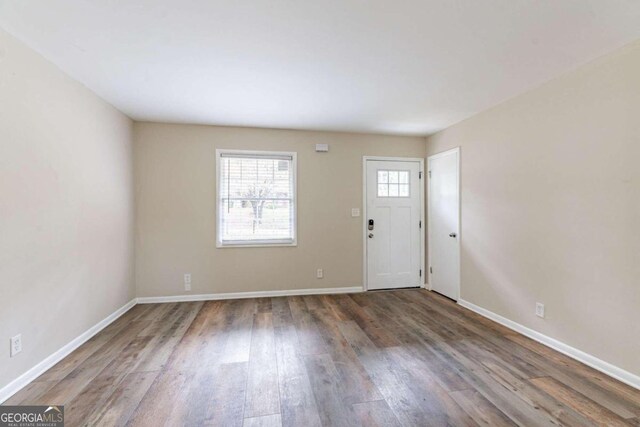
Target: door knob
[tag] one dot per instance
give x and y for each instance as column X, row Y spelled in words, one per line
column 371, row 235
column 452, row 234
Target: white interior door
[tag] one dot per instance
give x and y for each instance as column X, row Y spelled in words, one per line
column 444, row 223
column 393, row 224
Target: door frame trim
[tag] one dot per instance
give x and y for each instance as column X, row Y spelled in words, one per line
column 420, row 161
column 458, row 232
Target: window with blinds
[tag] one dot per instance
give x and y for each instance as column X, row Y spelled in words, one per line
column 256, row 198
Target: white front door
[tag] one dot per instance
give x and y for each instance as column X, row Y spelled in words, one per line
column 393, row 224
column 444, row 226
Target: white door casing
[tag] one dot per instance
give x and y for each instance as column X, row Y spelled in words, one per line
column 393, row 201
column 444, row 223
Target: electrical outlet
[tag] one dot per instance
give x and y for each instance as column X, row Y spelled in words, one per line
column 187, row 281
column 319, row 273
column 540, row 309
column 16, row 345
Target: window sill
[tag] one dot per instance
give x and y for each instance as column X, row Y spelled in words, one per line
column 220, row 245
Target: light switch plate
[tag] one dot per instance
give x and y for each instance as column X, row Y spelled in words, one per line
column 355, row 212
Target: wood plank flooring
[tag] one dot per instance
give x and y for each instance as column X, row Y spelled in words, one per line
column 396, row 358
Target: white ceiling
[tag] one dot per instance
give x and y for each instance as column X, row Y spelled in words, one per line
column 389, row 66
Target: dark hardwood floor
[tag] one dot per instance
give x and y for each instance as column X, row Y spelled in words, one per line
column 408, row 358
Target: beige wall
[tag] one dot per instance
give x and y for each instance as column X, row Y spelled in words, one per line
column 176, row 209
column 66, row 208
column 551, row 207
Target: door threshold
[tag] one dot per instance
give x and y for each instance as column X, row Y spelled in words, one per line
column 444, row 296
column 394, row 289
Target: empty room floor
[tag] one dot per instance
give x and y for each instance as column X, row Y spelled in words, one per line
column 406, row 357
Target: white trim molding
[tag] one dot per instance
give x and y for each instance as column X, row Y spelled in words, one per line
column 23, row 380
column 257, row 294
column 579, row 355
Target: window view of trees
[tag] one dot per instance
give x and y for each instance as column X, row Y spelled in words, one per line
column 256, row 195
column 256, row 198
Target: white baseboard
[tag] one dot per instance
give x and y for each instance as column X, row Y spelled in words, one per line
column 240, row 295
column 16, row 385
column 579, row 355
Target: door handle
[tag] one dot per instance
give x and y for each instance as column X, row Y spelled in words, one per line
column 371, row 235
column 452, row 235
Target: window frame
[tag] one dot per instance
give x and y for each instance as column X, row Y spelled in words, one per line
column 263, row 243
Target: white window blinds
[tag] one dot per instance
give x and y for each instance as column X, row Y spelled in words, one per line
column 256, row 198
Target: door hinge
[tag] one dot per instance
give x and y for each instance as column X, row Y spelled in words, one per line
column 420, row 175
column 420, row 272
column 431, row 270
column 429, row 174
column 420, row 224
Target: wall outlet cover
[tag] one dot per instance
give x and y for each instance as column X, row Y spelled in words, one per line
column 320, row 273
column 16, row 345
column 540, row 309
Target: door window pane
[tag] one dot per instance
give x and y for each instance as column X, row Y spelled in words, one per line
column 393, row 183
